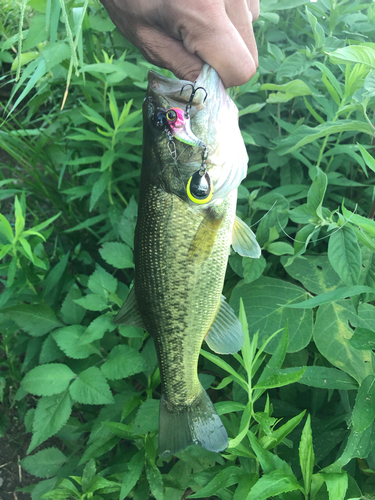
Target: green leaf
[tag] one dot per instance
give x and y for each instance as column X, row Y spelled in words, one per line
column 268, row 461
column 279, row 378
column 91, row 388
column 331, row 334
column 316, row 193
column 6, row 229
column 353, row 54
column 93, row 302
column 327, row 378
column 101, row 282
column 132, row 475
column 306, row 455
column 98, row 188
column 369, row 160
column 50, row 351
column 305, row 135
column 45, row 463
column 155, row 480
column 225, row 366
column 35, row 319
column 345, row 255
column 272, row 484
column 87, row 223
column 47, row 380
column 117, row 254
column 97, row 328
column 227, row 477
column 280, row 248
column 123, row 361
column 364, row 408
column 363, row 339
column 287, row 91
column 266, row 301
column 330, row 297
column 337, row 485
column 71, row 312
column 314, row 272
column 253, row 268
column 147, row 418
column 50, row 415
column 68, row 339
column 252, row 108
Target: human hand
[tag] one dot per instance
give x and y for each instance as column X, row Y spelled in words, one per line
column 181, row 35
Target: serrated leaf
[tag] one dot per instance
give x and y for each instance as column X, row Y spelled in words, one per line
column 99, row 187
column 97, row 329
column 50, row 415
column 147, row 418
column 337, row 485
column 273, row 484
column 35, row 319
column 117, row 254
column 227, row 477
column 93, row 302
column 91, row 388
column 155, row 480
column 280, row 378
column 71, row 312
column 47, row 380
column 68, row 339
column 123, row 361
column 45, row 463
column 50, row 351
column 101, row 282
column 132, row 475
column 364, row 408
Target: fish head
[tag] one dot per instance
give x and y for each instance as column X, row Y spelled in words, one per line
column 192, row 137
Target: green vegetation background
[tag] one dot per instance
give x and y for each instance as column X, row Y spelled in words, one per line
column 299, row 401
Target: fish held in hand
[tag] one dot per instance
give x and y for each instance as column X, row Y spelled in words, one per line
column 186, row 223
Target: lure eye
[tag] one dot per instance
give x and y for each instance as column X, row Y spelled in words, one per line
column 199, row 188
column 171, row 115
column 159, row 120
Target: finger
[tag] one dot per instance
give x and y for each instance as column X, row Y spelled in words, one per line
column 241, row 17
column 254, row 9
column 169, row 53
column 217, row 42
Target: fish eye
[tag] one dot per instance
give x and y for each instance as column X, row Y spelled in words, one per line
column 171, row 115
column 199, row 188
column 159, row 119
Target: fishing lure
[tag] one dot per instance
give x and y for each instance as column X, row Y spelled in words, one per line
column 199, row 187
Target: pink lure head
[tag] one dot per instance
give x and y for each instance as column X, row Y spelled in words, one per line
column 179, row 126
column 175, row 118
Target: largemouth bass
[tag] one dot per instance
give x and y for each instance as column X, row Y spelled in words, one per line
column 194, row 159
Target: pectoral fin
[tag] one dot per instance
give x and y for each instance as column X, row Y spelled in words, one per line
column 129, row 313
column 225, row 335
column 244, row 241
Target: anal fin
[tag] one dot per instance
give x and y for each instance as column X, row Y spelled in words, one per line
column 244, row 241
column 225, row 335
column 129, row 312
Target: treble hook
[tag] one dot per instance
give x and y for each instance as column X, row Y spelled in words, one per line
column 193, row 92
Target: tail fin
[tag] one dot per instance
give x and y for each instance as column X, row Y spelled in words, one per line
column 196, row 424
